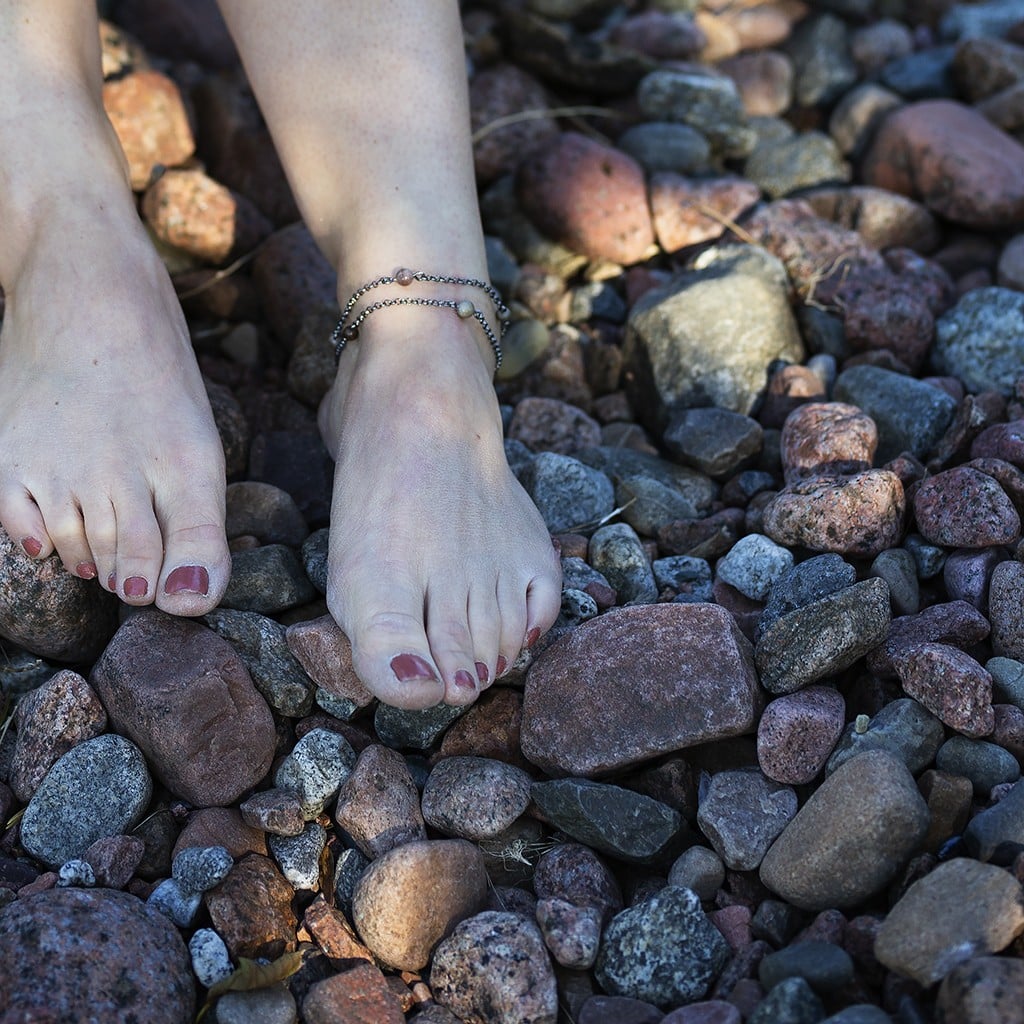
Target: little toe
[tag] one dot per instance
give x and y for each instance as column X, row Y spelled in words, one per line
column 23, row 522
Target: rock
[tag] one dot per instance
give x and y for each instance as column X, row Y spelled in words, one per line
column 962, row 507
column 618, row 1010
column 546, row 424
column 182, row 694
column 360, row 995
column 615, row 551
column 268, row 580
column 513, row 984
column 649, row 505
column 764, row 81
column 902, row 727
column 699, row 869
column 98, row 788
column 685, row 348
column 797, row 733
column 572, row 934
column 899, row 571
column 210, row 960
column 142, row 974
column 639, row 666
column 742, row 813
column 568, row 494
column 950, row 684
column 297, row 462
column 299, row 856
column 689, row 577
column 315, row 769
column 114, row 859
column 950, row 156
column 715, row 441
column 856, row 117
column 820, row 50
column 175, row 902
column 474, row 797
column 274, row 1005
column 276, row 811
column 1004, row 610
column 827, row 437
column 76, row 872
column 859, row 515
column 753, row 566
column 663, row 951
column 574, row 874
column 983, row 990
column 325, row 653
column 792, row 1001
column 251, row 909
column 851, row 837
column 984, row 763
column 688, row 211
column 1010, row 272
column 264, row 511
column 378, row 803
column 146, row 111
column 823, row 637
column 400, row 729
column 50, row 721
column 824, row 966
column 960, row 910
column 804, row 584
column 412, row 896
column 201, row 868
column 883, row 219
column 589, row 197
column 664, row 146
column 782, row 166
column 50, row 612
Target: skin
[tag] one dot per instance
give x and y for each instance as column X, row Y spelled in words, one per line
column 440, row 567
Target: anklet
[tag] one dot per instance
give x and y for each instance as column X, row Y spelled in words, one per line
column 404, row 277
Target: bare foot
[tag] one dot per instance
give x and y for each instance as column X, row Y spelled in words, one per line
column 108, row 450
column 441, row 568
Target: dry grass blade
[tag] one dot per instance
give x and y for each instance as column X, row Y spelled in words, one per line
column 595, row 523
column 220, row 275
column 537, row 114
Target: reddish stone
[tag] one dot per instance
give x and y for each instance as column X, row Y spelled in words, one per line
column 589, row 197
column 251, row 909
column 1005, row 609
column 764, row 81
column 789, row 388
column 324, row 651
column 114, row 859
column 221, row 826
column 1008, row 731
column 883, row 219
column 984, row 990
column 277, row 811
column 152, row 126
column 708, row 538
column 734, row 924
column 183, row 695
column 618, row 1010
column 951, row 685
column 688, row 211
column 962, row 507
column 332, row 932
column 546, row 424
column 1001, row 441
column 955, row 160
column 827, row 437
column 797, row 733
column 635, row 683
column 489, row 729
column 714, row 1011
column 358, row 996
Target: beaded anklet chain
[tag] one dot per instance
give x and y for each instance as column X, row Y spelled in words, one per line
column 345, row 332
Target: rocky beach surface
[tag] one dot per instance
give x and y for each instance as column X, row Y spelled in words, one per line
column 765, row 383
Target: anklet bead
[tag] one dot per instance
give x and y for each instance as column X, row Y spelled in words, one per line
column 465, row 310
column 404, row 277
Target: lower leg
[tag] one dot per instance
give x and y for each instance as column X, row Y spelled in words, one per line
column 440, row 566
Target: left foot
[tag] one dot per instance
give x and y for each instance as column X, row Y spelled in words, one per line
column 441, row 568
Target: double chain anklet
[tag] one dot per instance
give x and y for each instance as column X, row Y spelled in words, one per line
column 345, row 332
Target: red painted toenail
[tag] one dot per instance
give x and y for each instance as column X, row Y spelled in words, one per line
column 532, row 637
column 481, row 672
column 31, row 546
column 86, row 570
column 135, row 586
column 188, row 579
column 411, row 667
column 500, row 667
column 464, row 680
column 112, row 581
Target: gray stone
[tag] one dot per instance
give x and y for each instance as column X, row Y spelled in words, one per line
column 264, row 511
column 910, row 415
column 298, row 857
column 474, row 797
column 821, row 56
column 903, row 727
column 274, row 1005
column 925, row 74
column 686, row 347
column 99, row 788
column 348, row 868
column 714, row 441
column 663, row 951
column 699, row 869
column 612, row 820
column 929, row 558
column 823, row 965
column 1007, row 681
column 76, row 872
column 689, row 576
column 647, row 505
column 616, row 553
column 899, row 570
column 802, row 161
column 211, row 962
column 314, row 558
column 859, row 1013
column 419, row 730
column 176, row 902
column 268, row 580
column 806, row 583
column 665, row 146
column 201, row 868
column 570, row 495
column 985, row 764
column 315, row 769
column 993, row 18
column 753, row 565
column 791, row 1002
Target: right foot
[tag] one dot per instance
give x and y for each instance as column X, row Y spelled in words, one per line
column 108, row 450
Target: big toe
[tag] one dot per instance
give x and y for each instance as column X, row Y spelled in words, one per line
column 197, row 563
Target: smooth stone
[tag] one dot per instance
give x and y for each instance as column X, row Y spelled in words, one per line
column 985, row 764
column 617, row 553
column 798, row 732
column 664, row 146
column 997, row 832
column 200, row 868
column 99, row 788
column 324, row 652
column 266, row 512
column 791, row 1002
column 574, row 873
column 802, row 161
column 648, row 505
column 211, row 962
column 690, row 577
column 805, row 583
column 951, row 685
column 851, row 837
column 361, row 993
column 944, row 501
column 699, row 869
column 1004, row 609
column 899, row 570
column 420, row 730
column 474, row 797
column 268, row 579
column 275, row 1005
column 903, row 728
column 176, row 902
column 823, row 965
column 299, row 856
column 753, row 566
column 569, row 494
column 572, row 934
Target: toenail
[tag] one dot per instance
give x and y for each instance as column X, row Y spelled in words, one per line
column 464, row 680
column 135, row 586
column 31, row 545
column 112, row 581
column 532, row 637
column 481, row 672
column 188, row 579
column 411, row 667
column 499, row 668
column 86, row 570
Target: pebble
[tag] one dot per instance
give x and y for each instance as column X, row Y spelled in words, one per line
column 753, row 566
column 618, row 1010
column 201, row 868
column 378, row 804
column 742, row 813
column 612, row 820
column 266, row 512
column 902, row 727
column 114, row 859
column 298, row 857
column 574, row 873
column 143, row 972
column 50, row 720
column 910, row 415
column 278, row 811
column 49, row 612
column 99, row 788
column 413, row 895
column 820, row 52
column 856, row 117
column 76, row 872
column 764, row 80
column 268, row 579
column 827, row 437
column 984, row 763
column 474, row 797
column 251, row 909
column 984, row 990
column 714, row 1011
column 925, row 74
column 179, row 904
column 823, row 637
column 546, row 424
column 690, row 211
column 210, row 960
column 951, row 622
column 638, row 665
column 960, row 910
column 315, row 769
column 1010, row 272
column 685, row 348
column 791, row 1002
column 274, row 1005
column 859, row 515
column 662, row 951
column 419, row 730
column 851, row 837
column 325, row 653
column 950, row 684
column 967, row 575
column 781, row 166
column 699, row 869
column 809, row 581
column 963, row 507
column 616, row 552
column 515, row 984
column 824, row 966
column 1004, row 609
column 572, row 934
column 348, row 868
column 359, row 994
column 648, row 505
column 184, row 696
column 715, row 441
column 569, row 494
column 883, row 219
column 664, row 146
column 689, row 577
column 798, row 732
column 859, row 1013
column 899, row 570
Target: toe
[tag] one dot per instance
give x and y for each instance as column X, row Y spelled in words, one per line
column 543, row 603
column 485, row 628
column 21, row 518
column 390, row 651
column 139, row 548
column 66, row 529
column 451, row 642
column 512, row 611
column 101, row 535
column 197, row 563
